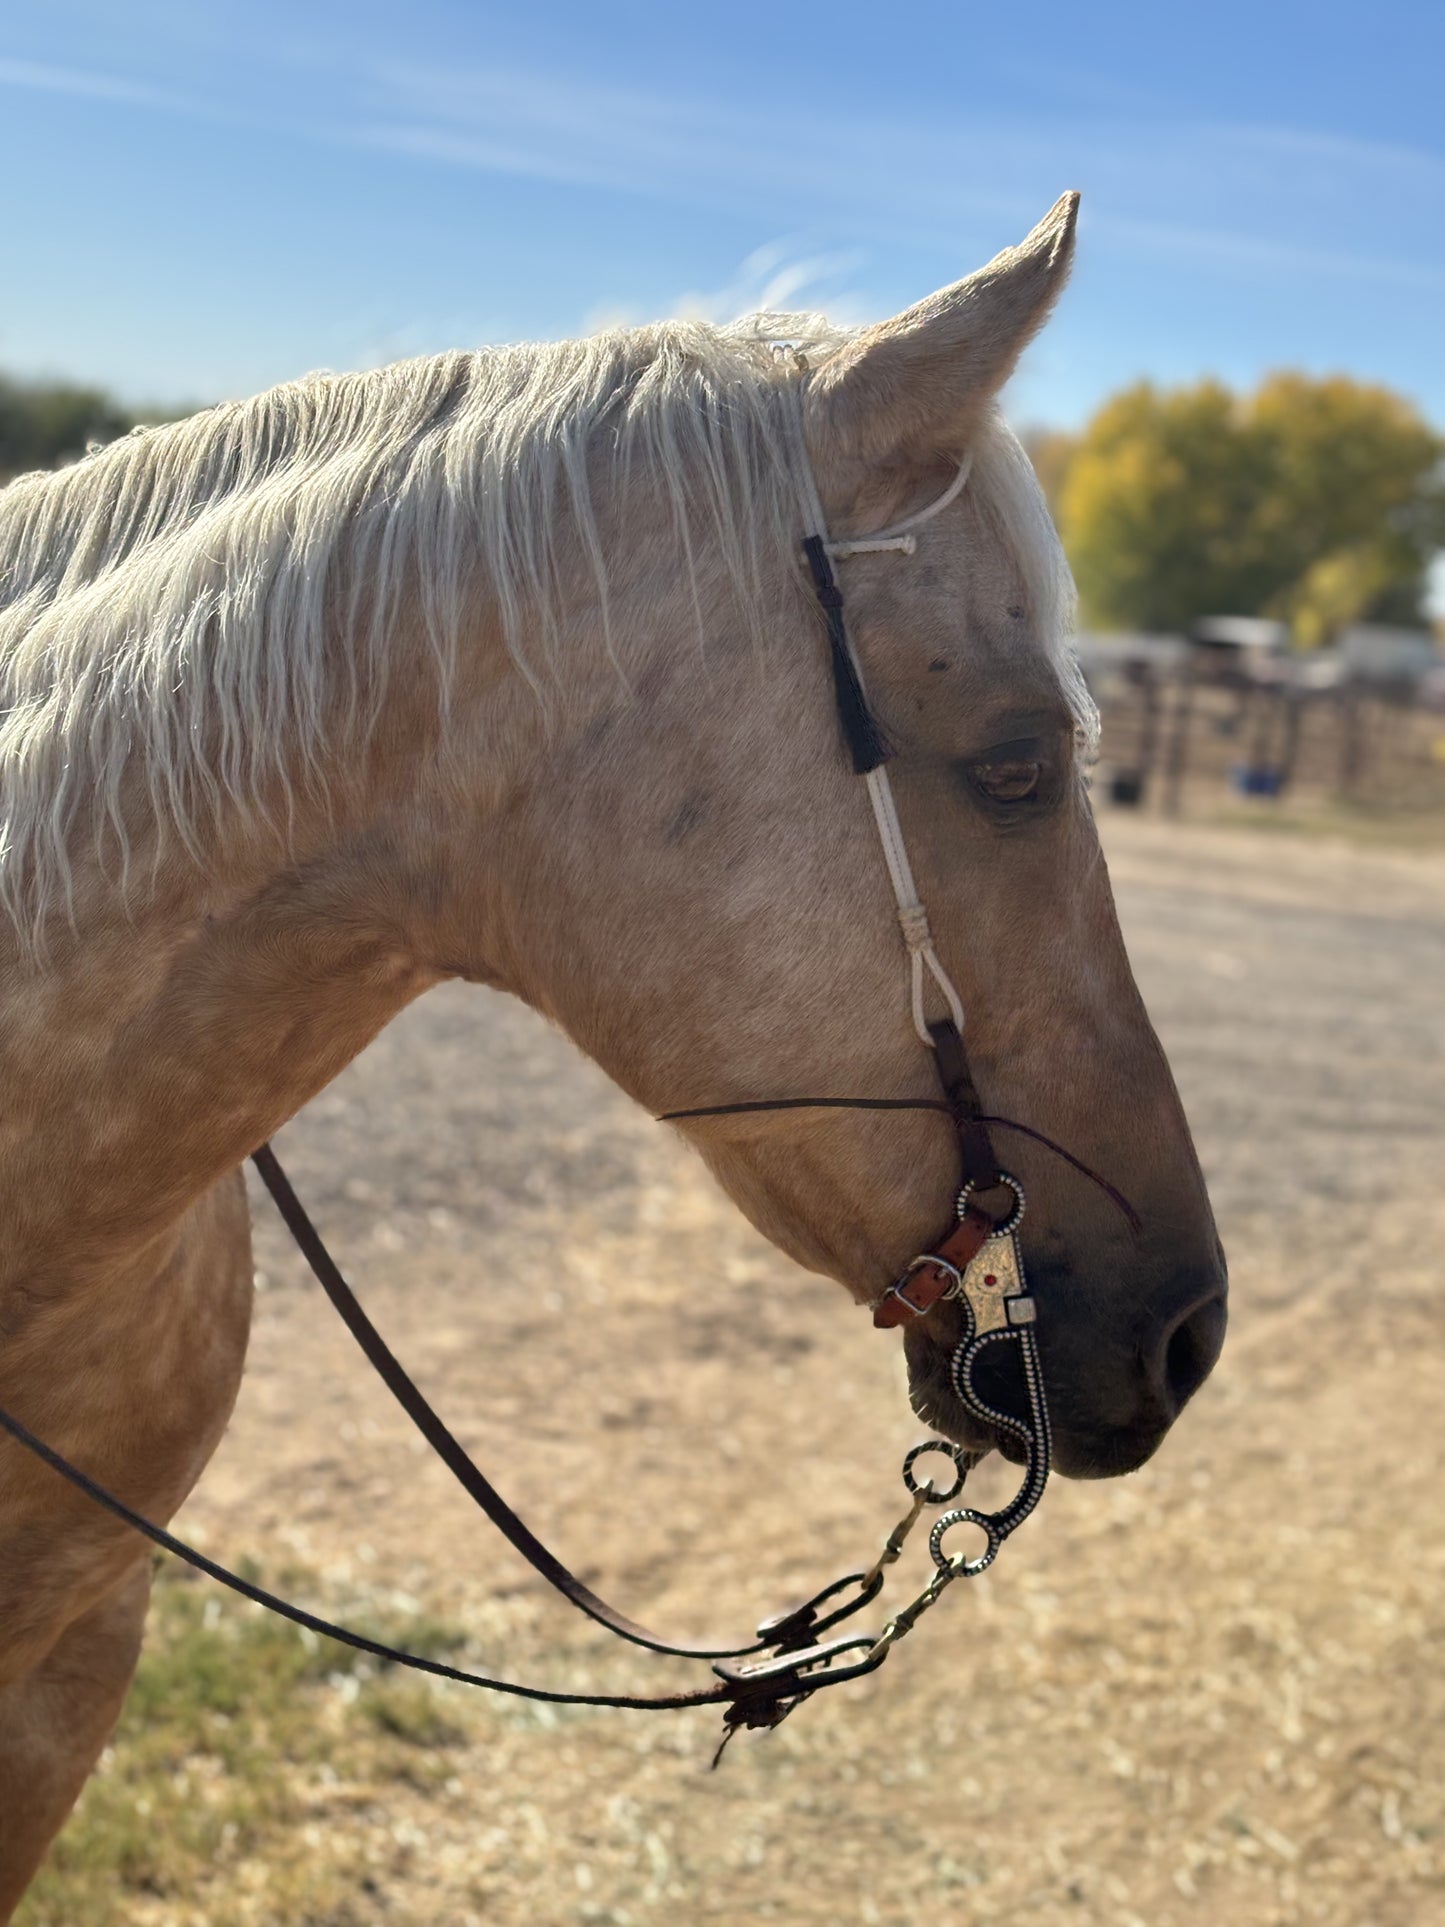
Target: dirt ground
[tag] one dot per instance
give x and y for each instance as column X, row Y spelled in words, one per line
column 1210, row 1693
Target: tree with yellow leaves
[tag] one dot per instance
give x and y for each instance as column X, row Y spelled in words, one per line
column 1317, row 501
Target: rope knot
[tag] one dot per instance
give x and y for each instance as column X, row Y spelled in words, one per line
column 913, row 921
column 873, row 545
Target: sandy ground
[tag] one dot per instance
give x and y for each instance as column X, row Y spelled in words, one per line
column 1212, row 1693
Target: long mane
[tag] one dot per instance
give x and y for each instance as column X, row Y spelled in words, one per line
column 170, row 604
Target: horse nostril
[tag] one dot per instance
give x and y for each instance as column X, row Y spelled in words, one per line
column 1192, row 1349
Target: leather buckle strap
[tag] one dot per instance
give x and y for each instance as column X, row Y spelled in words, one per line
column 937, row 1274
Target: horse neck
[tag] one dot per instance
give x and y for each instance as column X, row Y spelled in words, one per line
column 160, row 1040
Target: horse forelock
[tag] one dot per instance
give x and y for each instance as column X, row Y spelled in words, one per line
column 172, row 602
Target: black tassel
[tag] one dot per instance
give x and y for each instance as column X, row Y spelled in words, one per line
column 866, row 742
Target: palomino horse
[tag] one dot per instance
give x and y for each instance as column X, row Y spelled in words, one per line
column 504, row 666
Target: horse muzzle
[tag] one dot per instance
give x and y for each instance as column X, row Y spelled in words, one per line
column 1111, row 1396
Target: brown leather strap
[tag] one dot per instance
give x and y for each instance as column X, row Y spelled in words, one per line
column 930, row 1279
column 443, row 1442
column 727, row 1694
column 965, row 1107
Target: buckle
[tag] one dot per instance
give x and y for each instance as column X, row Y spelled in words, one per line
column 885, row 1313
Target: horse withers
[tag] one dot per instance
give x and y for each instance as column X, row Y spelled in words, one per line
column 505, row 666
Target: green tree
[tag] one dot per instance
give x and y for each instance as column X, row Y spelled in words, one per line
column 45, row 423
column 42, row 424
column 1318, row 501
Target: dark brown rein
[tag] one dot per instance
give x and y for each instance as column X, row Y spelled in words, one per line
column 459, row 1463
column 755, row 1696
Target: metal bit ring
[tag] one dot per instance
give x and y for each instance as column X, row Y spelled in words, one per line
column 928, row 1492
column 1014, row 1218
column 965, row 1515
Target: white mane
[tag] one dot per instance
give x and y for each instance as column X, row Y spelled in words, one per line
column 169, row 606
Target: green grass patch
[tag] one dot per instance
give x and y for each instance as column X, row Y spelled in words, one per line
column 240, row 1732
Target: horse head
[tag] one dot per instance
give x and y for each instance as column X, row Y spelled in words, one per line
column 693, row 882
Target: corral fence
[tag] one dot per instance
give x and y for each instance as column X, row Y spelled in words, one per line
column 1189, row 726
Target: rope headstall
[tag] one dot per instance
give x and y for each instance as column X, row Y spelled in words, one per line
column 978, row 1265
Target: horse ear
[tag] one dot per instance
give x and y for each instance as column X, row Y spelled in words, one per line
column 911, row 388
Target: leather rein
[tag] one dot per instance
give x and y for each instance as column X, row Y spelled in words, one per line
column 976, row 1261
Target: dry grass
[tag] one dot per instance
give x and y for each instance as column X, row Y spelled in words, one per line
column 1374, row 825
column 1211, row 1693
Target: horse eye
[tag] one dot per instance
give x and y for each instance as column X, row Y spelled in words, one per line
column 1010, row 782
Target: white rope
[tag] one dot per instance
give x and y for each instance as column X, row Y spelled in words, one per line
column 899, row 536
column 912, row 914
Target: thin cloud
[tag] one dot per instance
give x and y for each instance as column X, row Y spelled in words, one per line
column 665, row 147
column 1266, row 253
column 883, row 178
column 774, row 278
column 38, row 77
column 1374, row 156
column 875, row 177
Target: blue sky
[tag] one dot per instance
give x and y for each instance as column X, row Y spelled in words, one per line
column 205, row 199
